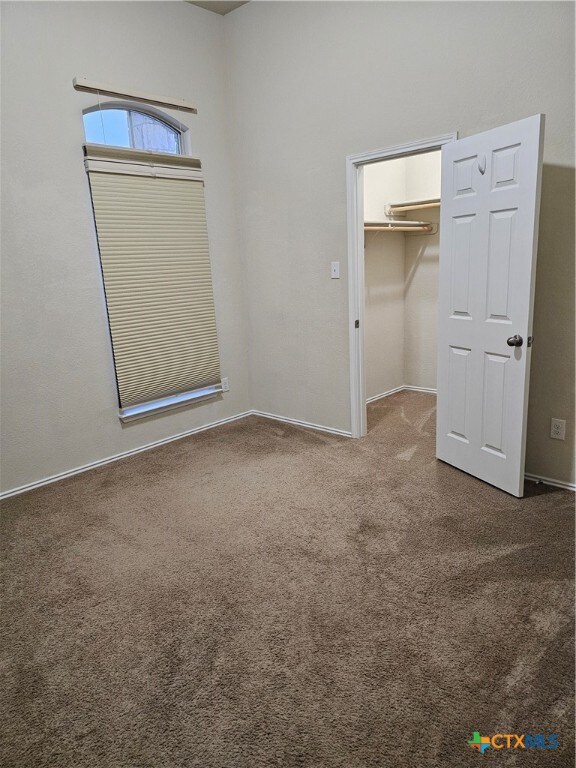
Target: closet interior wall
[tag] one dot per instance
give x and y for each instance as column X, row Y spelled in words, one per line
column 401, row 278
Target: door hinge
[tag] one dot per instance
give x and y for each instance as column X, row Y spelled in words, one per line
column 356, row 323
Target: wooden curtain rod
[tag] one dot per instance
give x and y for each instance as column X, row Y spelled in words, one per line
column 81, row 84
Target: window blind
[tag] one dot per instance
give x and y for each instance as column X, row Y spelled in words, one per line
column 151, row 226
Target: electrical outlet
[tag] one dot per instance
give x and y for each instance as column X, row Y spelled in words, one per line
column 225, row 384
column 558, row 429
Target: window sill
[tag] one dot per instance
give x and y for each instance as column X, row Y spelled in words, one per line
column 153, row 407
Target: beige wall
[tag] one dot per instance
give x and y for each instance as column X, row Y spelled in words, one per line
column 383, row 281
column 59, row 407
column 346, row 77
column 285, row 91
column 421, row 276
column 384, row 183
column 384, row 312
column 421, row 305
column 423, row 176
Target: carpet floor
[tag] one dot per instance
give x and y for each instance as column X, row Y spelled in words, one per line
column 263, row 595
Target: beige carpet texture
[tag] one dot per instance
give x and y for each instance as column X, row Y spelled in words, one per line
column 262, row 595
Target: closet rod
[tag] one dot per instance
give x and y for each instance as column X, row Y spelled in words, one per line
column 82, row 84
column 395, row 228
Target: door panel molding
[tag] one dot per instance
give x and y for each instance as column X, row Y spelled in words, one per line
column 494, row 180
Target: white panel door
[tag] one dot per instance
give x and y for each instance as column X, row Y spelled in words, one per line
column 488, row 239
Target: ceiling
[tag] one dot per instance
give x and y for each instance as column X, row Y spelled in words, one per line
column 218, row 6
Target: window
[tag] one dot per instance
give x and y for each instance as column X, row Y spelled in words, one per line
column 130, row 128
column 153, row 242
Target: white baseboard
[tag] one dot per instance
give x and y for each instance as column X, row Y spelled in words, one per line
column 221, row 422
column 385, row 394
column 118, row 456
column 403, row 388
column 307, row 424
column 164, row 441
column 551, row 481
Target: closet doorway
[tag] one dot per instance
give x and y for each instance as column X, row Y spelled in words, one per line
column 479, row 271
column 401, row 248
column 393, row 215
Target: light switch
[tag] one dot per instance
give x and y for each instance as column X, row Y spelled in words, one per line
column 335, row 269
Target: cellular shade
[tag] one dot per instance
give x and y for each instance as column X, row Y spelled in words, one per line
column 151, row 225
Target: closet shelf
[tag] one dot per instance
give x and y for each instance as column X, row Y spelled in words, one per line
column 401, row 226
column 399, row 209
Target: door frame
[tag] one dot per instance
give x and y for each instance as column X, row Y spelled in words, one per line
column 355, row 213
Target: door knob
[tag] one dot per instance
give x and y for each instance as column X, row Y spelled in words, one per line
column 515, row 341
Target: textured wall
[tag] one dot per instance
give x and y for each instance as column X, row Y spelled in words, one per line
column 59, row 406
column 313, row 82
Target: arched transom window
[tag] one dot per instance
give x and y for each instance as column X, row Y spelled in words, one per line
column 132, row 128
